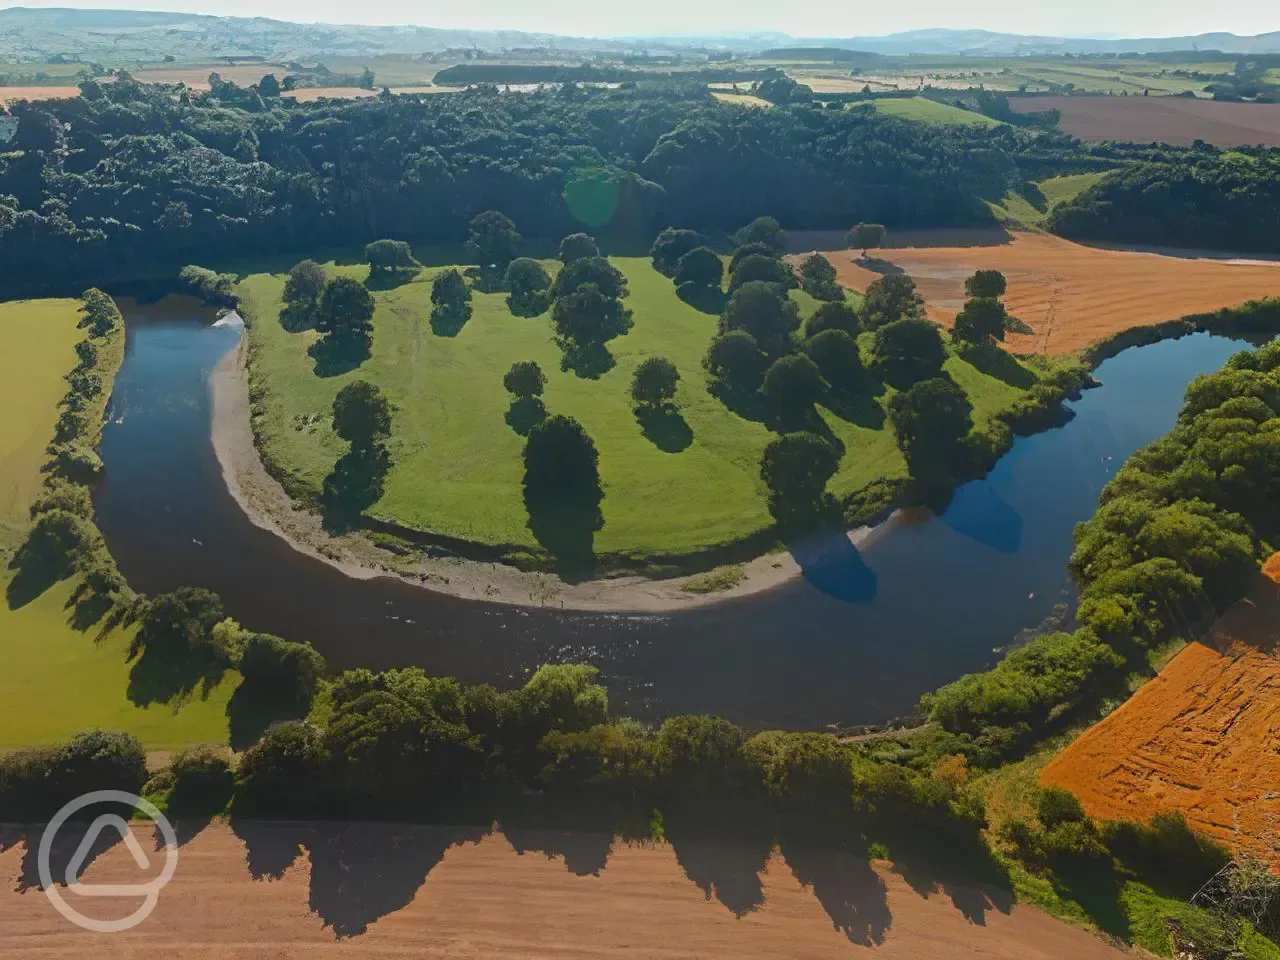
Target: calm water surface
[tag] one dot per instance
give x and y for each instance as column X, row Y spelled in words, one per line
column 856, row 641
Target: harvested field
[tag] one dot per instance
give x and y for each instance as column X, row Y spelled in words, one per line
column 1202, row 738
column 380, row 891
column 10, row 94
column 196, row 76
column 1179, row 120
column 308, row 94
column 1069, row 294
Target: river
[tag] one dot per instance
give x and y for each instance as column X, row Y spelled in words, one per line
column 857, row 640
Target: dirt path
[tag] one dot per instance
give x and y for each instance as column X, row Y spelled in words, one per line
column 384, row 891
column 269, row 507
column 1200, row 738
column 1069, row 294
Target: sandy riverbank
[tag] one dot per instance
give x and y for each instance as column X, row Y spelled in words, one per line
column 269, row 507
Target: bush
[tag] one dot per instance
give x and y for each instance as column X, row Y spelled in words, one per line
column 211, row 287
column 35, row 784
column 388, row 256
column 202, row 781
column 1055, row 805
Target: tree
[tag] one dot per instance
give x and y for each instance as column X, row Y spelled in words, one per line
column 793, row 383
column 576, row 246
column 361, row 414
column 607, row 278
column 866, row 236
column 818, row 278
column 891, row 298
column 760, row 310
column 269, row 86
column 389, row 256
column 758, row 268
column 587, row 316
column 178, row 626
column 305, row 284
column 529, row 284
column 367, row 79
column 764, row 230
column 735, row 359
column 834, row 316
column 908, row 351
column 986, row 283
column 750, row 250
column 562, row 491
column 701, row 266
column 670, row 246
column 982, row 320
column 795, row 468
column 654, row 383
column 929, row 421
column 450, row 301
column 277, row 668
column 525, row 380
column 837, row 357
column 493, row 240
column 346, row 310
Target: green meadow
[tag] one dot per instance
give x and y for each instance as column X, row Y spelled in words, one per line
column 925, row 110
column 457, row 463
column 56, row 681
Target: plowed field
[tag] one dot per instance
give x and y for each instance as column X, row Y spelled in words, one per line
column 1166, row 119
column 10, row 94
column 1069, row 294
column 1202, row 738
column 301, row 892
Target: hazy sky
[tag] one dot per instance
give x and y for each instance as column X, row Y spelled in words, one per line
column 829, row 18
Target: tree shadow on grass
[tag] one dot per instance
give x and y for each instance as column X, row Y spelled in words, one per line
column 355, row 484
column 722, row 860
column 333, row 357
column 390, row 279
column 566, row 528
column 88, row 607
column 31, row 581
column 702, row 298
column 158, row 678
column 994, row 362
column 857, row 407
column 1095, row 886
column 298, row 317
column 253, row 709
column 588, row 361
column 524, row 414
column 665, row 427
column 448, row 321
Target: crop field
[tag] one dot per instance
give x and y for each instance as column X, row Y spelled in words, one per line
column 359, row 890
column 1176, row 120
column 930, row 111
column 196, row 75
column 457, row 464
column 308, row 94
column 56, row 681
column 1069, row 294
column 11, row 94
column 1200, row 738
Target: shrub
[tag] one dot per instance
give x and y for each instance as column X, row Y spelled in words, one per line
column 34, row 784
column 202, row 781
column 1055, row 805
column 387, row 256
column 210, row 286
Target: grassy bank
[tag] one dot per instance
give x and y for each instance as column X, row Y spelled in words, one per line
column 457, row 463
column 56, row 680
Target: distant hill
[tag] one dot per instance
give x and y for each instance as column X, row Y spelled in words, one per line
column 123, row 36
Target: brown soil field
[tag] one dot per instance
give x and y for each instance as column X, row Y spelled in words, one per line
column 1070, row 295
column 1202, row 737
column 10, row 94
column 197, row 77
column 371, row 891
column 307, row 94
column 1179, row 120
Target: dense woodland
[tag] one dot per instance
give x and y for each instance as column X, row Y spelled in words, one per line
column 132, row 179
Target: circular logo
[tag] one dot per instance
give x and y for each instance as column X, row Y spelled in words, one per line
column 150, row 891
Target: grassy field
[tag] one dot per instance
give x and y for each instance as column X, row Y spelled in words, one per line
column 38, row 340
column 54, row 680
column 930, row 111
column 1022, row 211
column 457, row 464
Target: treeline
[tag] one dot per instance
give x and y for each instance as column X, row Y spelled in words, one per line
column 464, row 74
column 129, row 180
column 63, row 539
column 1176, row 540
column 1228, row 200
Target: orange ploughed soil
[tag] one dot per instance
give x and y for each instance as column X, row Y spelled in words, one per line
column 1070, row 295
column 1202, row 738
column 10, row 94
column 366, row 891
